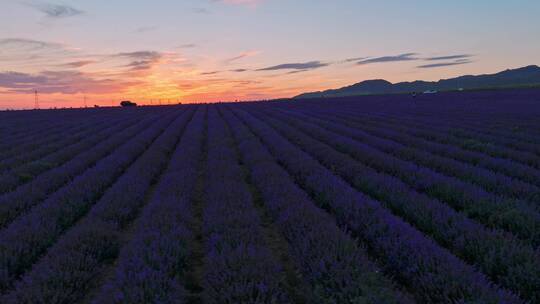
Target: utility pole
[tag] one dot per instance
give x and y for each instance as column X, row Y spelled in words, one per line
column 85, row 105
column 36, row 100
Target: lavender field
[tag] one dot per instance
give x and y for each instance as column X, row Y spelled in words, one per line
column 375, row 199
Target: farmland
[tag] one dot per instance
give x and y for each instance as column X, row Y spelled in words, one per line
column 375, row 199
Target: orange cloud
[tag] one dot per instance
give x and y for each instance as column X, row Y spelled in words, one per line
column 242, row 55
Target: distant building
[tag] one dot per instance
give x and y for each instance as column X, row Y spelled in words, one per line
column 127, row 103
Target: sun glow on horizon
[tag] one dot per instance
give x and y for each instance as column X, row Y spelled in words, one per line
column 227, row 50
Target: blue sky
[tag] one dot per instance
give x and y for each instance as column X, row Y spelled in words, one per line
column 240, row 49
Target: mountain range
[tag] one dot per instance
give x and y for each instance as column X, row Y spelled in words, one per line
column 528, row 76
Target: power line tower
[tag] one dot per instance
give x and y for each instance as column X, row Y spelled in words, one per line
column 36, row 100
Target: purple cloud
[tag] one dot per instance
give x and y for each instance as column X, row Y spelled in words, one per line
column 443, row 64
column 56, row 10
column 401, row 57
column 296, row 66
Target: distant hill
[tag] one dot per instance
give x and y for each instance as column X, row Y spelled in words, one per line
column 522, row 77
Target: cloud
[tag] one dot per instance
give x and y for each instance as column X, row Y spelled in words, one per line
column 215, row 83
column 450, row 57
column 296, row 66
column 141, row 60
column 65, row 82
column 443, row 64
column 219, row 72
column 244, row 82
column 27, row 44
column 242, row 55
column 18, row 53
column 354, row 59
column 140, row 65
column 401, row 57
column 55, row 10
column 211, row 73
column 140, row 55
column 296, row 72
column 15, row 80
column 53, row 68
column 78, row 64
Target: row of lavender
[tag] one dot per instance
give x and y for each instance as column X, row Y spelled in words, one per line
column 461, row 117
column 32, row 130
column 421, row 152
column 268, row 204
column 26, row 166
column 93, row 242
column 31, row 228
column 517, row 216
column 334, row 267
column 35, row 214
column 112, row 218
column 506, row 259
column 430, row 272
column 501, row 173
column 26, row 195
column 460, row 202
column 238, row 263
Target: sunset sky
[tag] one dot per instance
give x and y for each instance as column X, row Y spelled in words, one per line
column 211, row 50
